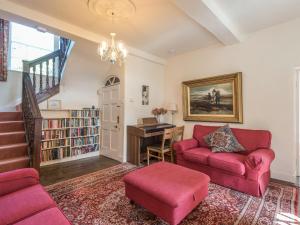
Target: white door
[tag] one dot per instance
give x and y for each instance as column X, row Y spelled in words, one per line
column 112, row 123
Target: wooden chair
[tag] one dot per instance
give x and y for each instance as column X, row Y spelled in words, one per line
column 178, row 133
column 165, row 147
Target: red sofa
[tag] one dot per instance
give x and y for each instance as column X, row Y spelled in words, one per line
column 23, row 201
column 247, row 172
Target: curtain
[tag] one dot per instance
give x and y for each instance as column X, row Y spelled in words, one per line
column 4, row 38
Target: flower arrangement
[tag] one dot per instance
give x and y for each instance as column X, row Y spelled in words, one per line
column 159, row 111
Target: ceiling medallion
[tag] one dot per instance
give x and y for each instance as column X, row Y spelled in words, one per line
column 122, row 9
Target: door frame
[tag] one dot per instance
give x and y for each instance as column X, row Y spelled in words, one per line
column 297, row 118
column 122, row 122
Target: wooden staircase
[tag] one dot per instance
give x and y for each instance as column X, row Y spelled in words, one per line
column 20, row 132
column 13, row 145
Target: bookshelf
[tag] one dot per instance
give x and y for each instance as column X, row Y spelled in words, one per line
column 69, row 135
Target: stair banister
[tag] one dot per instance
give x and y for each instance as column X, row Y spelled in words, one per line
column 33, row 121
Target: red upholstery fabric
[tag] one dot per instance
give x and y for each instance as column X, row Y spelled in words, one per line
column 249, row 172
column 165, row 180
column 24, row 201
column 231, row 162
column 249, row 139
column 184, row 145
column 259, row 162
column 18, row 179
column 47, row 217
column 198, row 155
column 28, row 201
column 155, row 187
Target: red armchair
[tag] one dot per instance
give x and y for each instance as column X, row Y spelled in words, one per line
column 247, row 172
column 23, row 201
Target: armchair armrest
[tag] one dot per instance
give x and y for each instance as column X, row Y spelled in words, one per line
column 17, row 179
column 184, row 145
column 258, row 162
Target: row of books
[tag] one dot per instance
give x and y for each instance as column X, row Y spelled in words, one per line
column 83, row 122
column 86, row 131
column 54, row 123
column 60, row 153
column 55, row 143
column 54, row 134
column 84, row 141
column 85, row 113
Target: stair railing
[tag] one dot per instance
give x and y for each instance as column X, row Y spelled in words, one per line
column 46, row 72
column 32, row 121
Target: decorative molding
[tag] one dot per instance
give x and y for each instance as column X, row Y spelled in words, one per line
column 15, row 12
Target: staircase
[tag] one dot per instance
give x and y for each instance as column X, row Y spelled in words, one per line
column 13, row 145
column 20, row 132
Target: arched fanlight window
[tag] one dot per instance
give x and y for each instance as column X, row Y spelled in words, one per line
column 112, row 80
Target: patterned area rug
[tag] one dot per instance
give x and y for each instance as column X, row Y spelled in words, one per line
column 98, row 198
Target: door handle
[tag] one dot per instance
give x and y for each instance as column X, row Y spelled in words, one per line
column 118, row 119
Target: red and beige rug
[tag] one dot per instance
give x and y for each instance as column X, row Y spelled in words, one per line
column 99, row 199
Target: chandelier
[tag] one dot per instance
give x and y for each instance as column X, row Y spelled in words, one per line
column 112, row 52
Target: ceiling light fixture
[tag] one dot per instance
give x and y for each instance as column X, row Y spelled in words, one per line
column 115, row 10
column 112, row 52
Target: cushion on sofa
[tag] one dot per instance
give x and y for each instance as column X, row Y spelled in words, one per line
column 249, row 139
column 23, row 203
column 198, row 155
column 47, row 217
column 223, row 140
column 231, row 162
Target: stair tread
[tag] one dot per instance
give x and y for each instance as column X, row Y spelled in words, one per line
column 13, row 145
column 11, row 121
column 13, row 160
column 12, row 132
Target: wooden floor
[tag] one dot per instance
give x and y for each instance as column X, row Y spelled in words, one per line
column 63, row 171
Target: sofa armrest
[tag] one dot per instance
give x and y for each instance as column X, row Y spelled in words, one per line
column 258, row 162
column 17, row 179
column 184, row 145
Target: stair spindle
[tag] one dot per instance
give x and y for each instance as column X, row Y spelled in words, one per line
column 53, row 71
column 34, row 79
column 41, row 78
column 47, row 74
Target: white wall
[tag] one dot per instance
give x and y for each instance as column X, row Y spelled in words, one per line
column 267, row 60
column 10, row 91
column 140, row 72
column 83, row 76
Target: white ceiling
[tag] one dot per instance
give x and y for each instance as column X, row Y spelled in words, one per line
column 163, row 26
column 253, row 15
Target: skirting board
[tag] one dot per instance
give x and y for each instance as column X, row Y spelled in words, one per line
column 283, row 177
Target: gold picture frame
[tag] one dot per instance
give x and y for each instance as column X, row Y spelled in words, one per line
column 213, row 99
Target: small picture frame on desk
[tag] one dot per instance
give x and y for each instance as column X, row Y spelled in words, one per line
column 54, row 104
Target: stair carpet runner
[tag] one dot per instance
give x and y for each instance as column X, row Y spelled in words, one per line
column 13, row 146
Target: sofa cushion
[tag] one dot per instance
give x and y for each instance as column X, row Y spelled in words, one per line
column 249, row 139
column 23, row 203
column 47, row 217
column 223, row 140
column 231, row 162
column 198, row 155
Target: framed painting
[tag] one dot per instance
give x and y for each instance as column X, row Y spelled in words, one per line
column 54, row 104
column 214, row 99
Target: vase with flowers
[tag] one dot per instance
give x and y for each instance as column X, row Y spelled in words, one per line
column 158, row 112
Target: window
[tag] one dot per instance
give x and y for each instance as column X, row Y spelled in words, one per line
column 27, row 43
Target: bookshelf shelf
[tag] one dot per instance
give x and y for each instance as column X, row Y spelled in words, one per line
column 70, row 135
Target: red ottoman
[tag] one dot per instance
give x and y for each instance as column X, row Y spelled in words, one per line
column 167, row 190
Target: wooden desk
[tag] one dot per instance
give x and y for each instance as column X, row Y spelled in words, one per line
column 139, row 137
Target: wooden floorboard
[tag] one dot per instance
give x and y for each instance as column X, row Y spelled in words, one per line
column 63, row 171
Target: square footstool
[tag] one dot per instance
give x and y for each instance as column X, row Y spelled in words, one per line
column 167, row 190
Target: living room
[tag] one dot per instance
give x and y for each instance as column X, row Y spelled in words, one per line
column 210, row 68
